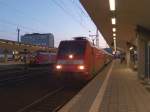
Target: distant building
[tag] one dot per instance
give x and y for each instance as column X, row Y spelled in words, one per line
column 109, row 50
column 46, row 39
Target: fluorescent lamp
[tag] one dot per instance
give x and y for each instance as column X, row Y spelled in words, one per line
column 114, row 29
column 113, row 21
column 114, row 34
column 112, row 5
column 114, row 38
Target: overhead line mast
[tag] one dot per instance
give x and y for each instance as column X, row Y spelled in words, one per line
column 18, row 32
column 95, row 37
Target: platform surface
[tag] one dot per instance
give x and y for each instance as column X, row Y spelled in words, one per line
column 116, row 89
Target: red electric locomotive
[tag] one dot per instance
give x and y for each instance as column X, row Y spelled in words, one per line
column 79, row 59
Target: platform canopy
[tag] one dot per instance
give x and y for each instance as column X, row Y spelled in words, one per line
column 128, row 14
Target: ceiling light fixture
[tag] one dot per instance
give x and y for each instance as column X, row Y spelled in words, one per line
column 114, row 34
column 112, row 5
column 114, row 29
column 113, row 21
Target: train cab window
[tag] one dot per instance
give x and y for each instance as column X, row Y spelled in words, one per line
column 68, row 47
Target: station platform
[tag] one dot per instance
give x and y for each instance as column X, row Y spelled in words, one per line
column 116, row 89
column 11, row 63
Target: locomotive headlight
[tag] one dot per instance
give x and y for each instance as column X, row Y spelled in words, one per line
column 71, row 56
column 81, row 67
column 58, row 67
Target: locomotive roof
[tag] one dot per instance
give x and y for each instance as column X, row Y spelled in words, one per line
column 78, row 40
column 91, row 44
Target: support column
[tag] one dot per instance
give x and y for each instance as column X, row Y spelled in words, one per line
column 141, row 58
column 143, row 36
column 128, row 58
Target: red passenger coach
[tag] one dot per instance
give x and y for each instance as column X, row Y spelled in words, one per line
column 43, row 57
column 78, row 59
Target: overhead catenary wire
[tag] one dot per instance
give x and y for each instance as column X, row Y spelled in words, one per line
column 61, row 5
column 85, row 15
column 58, row 4
column 24, row 29
column 29, row 29
column 77, row 5
column 10, row 34
column 17, row 25
column 14, row 9
column 78, row 12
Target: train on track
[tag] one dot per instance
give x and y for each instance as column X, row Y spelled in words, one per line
column 42, row 57
column 79, row 59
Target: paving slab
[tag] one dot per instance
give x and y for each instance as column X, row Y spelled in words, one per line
column 124, row 92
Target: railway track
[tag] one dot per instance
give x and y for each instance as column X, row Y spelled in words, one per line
column 51, row 102
column 18, row 78
column 21, row 68
column 21, row 75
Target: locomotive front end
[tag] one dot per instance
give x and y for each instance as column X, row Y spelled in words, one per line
column 70, row 60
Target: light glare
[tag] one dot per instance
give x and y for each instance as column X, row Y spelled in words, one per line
column 81, row 67
column 114, row 34
column 114, row 38
column 131, row 48
column 70, row 56
column 112, row 5
column 58, row 67
column 114, row 29
column 113, row 21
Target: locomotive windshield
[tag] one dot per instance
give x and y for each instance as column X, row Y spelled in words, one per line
column 75, row 47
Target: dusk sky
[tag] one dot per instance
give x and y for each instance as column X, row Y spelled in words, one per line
column 64, row 18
